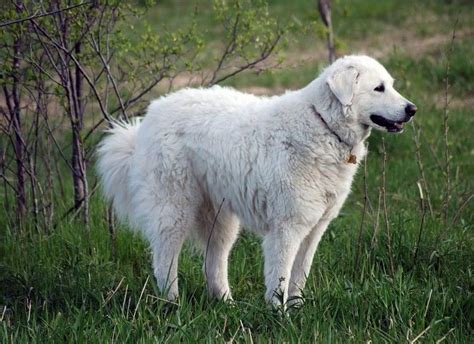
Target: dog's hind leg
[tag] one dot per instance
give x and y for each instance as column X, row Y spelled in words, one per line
column 219, row 233
column 166, row 239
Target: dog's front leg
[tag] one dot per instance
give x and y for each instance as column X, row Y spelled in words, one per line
column 280, row 247
column 303, row 260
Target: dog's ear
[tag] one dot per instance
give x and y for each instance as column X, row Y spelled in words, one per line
column 342, row 83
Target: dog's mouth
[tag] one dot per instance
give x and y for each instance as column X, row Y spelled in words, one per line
column 391, row 126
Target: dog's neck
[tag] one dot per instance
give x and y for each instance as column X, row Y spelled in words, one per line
column 341, row 124
column 329, row 128
column 346, row 132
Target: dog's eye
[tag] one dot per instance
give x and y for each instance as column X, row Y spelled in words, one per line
column 380, row 88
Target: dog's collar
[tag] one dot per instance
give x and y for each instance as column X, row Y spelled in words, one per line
column 352, row 159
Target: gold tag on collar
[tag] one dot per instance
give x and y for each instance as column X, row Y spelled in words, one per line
column 352, row 159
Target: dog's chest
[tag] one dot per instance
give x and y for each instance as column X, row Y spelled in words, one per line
column 337, row 189
column 322, row 187
column 335, row 180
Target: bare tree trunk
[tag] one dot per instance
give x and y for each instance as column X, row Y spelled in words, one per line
column 3, row 172
column 324, row 7
column 49, row 206
column 72, row 78
column 13, row 103
column 20, row 159
column 112, row 230
column 78, row 165
column 79, row 161
column 34, row 182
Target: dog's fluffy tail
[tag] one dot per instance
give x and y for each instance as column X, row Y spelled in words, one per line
column 115, row 153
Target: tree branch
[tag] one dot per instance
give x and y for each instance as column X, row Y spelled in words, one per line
column 34, row 16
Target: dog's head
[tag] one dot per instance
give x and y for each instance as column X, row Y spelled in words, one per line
column 365, row 90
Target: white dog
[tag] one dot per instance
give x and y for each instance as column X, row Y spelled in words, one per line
column 204, row 161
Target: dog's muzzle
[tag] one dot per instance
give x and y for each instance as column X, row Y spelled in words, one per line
column 395, row 126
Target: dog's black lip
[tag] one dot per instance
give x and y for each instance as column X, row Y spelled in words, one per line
column 391, row 126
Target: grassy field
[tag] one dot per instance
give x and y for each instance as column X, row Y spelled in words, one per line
column 400, row 275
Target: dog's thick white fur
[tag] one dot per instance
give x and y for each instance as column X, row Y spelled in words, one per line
column 204, row 162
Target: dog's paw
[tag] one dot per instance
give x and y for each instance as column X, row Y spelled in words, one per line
column 294, row 303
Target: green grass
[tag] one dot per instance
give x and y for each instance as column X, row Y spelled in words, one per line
column 74, row 285
column 67, row 279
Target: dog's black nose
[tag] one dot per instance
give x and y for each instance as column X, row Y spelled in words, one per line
column 411, row 109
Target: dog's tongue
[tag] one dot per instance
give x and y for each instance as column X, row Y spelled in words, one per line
column 399, row 125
